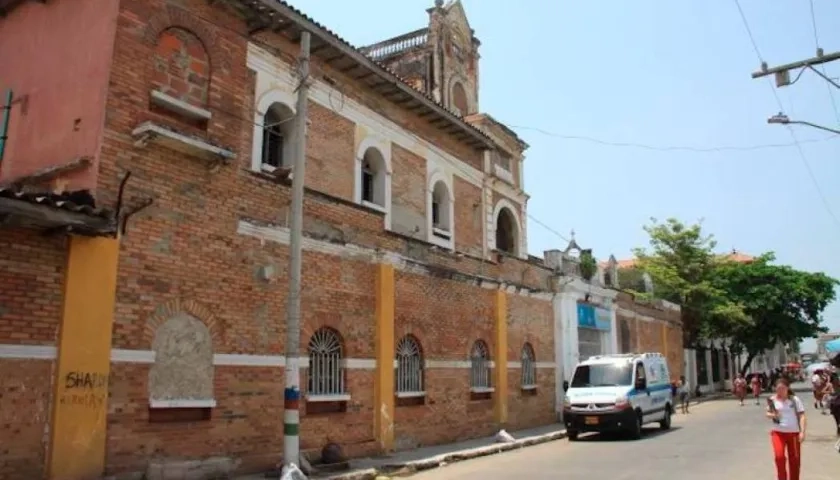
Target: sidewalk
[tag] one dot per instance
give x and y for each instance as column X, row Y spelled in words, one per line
column 426, row 458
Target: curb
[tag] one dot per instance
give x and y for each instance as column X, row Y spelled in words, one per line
column 409, row 468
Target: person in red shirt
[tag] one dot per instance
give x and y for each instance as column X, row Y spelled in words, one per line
column 739, row 388
column 755, row 384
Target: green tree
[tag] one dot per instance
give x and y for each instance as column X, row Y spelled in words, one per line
column 681, row 262
column 784, row 304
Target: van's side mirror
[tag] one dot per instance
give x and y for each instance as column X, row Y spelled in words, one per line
column 565, row 385
column 641, row 384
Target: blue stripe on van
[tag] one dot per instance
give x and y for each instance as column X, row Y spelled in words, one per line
column 655, row 388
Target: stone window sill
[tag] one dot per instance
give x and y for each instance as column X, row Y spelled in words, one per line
column 482, row 389
column 410, row 394
column 344, row 397
column 529, row 387
column 374, row 206
column 179, row 107
column 184, row 403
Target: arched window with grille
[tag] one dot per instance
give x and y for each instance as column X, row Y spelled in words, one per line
column 480, row 366
column 326, row 372
column 409, row 378
column 529, row 367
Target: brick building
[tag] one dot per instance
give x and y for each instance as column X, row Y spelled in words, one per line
column 144, row 196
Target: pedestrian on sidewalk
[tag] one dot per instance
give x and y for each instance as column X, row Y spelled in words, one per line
column 739, row 388
column 682, row 391
column 787, row 413
column 818, row 385
column 755, row 384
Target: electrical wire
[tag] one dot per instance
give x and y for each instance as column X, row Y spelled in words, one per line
column 670, row 148
column 817, row 45
column 790, row 130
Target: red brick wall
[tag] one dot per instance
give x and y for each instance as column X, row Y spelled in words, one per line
column 408, row 192
column 60, row 109
column 645, row 335
column 530, row 320
column 446, row 317
column 468, row 217
column 31, row 275
column 330, row 156
column 183, row 252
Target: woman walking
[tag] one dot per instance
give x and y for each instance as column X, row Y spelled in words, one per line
column 788, row 432
column 755, row 384
column 739, row 387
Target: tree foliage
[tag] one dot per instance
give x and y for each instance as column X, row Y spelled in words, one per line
column 756, row 305
column 681, row 262
column 784, row 304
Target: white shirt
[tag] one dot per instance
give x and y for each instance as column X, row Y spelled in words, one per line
column 788, row 420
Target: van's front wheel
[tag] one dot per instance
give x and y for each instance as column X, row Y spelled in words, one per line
column 665, row 424
column 572, row 435
column 636, row 428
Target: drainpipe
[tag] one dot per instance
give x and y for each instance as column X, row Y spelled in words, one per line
column 4, row 121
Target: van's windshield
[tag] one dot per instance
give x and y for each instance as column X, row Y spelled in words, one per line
column 602, row 375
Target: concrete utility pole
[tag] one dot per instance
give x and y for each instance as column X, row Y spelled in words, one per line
column 291, row 395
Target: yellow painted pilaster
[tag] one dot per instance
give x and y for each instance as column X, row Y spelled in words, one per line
column 500, row 409
column 80, row 401
column 384, row 382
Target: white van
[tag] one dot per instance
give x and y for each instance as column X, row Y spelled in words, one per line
column 618, row 393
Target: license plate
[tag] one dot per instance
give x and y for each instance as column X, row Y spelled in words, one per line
column 590, row 420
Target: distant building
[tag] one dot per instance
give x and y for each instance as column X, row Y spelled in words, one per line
column 822, row 340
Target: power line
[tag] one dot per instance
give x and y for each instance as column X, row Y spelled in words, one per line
column 817, row 45
column 670, row 148
column 802, row 156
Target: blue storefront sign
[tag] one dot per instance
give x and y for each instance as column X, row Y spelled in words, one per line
column 590, row 316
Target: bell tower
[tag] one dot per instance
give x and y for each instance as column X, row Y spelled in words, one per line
column 455, row 57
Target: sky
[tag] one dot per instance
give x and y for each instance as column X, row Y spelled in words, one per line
column 660, row 74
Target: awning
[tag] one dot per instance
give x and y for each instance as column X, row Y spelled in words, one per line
column 833, row 346
column 72, row 212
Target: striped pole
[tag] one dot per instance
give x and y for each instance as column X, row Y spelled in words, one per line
column 291, row 395
column 291, row 413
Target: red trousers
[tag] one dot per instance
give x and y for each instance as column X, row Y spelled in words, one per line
column 786, row 441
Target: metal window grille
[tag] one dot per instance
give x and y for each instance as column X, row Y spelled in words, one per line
column 480, row 365
column 409, row 365
column 326, row 372
column 529, row 366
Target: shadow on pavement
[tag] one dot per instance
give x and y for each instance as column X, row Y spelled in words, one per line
column 648, row 432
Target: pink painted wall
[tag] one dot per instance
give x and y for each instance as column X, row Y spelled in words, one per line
column 56, row 57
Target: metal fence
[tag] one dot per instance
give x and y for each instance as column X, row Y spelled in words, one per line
column 326, row 372
column 529, row 366
column 409, row 366
column 480, row 365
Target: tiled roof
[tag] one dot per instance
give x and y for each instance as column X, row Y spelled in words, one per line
column 77, row 202
column 734, row 256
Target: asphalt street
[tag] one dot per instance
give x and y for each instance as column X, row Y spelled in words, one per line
column 717, row 439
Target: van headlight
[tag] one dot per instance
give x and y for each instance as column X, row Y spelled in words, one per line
column 567, row 402
column 622, row 402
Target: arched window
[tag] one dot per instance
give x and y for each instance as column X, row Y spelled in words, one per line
column 506, row 234
column 459, row 99
column 373, row 173
column 480, row 366
column 326, row 372
column 409, row 366
column 529, row 367
column 278, row 137
column 441, row 221
column 181, row 67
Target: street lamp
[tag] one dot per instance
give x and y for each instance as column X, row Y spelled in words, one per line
column 782, row 119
